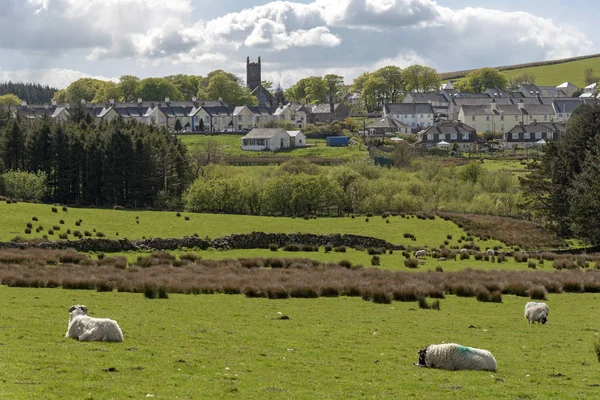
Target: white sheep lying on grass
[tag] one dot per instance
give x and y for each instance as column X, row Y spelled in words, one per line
column 86, row 328
column 490, row 252
column 536, row 312
column 453, row 356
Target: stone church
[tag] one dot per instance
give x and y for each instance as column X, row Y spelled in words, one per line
column 253, row 80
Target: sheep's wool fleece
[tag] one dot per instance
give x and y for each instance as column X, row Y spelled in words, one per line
column 537, row 312
column 453, row 356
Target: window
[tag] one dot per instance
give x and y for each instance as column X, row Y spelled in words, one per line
column 249, row 118
column 453, row 136
column 430, row 136
column 240, row 117
column 538, row 135
column 163, row 120
column 473, row 118
column 545, row 118
column 465, row 136
column 549, row 135
column 559, row 115
column 526, row 135
column 206, row 118
column 515, row 135
column 516, row 117
column 414, row 115
column 502, row 118
column 487, row 118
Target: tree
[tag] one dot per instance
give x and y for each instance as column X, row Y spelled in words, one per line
column 374, row 92
column 334, row 84
column 359, row 82
column 108, row 91
column 480, row 80
column 83, row 89
column 158, row 89
column 518, row 80
column 418, row 78
column 279, row 95
column 24, row 185
column 129, row 87
column 60, row 96
column 393, row 79
column 559, row 187
column 221, row 86
column 178, row 127
column 267, row 85
column 402, row 155
column 589, row 76
column 9, row 100
column 187, row 85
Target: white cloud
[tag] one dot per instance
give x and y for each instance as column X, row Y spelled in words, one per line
column 53, row 77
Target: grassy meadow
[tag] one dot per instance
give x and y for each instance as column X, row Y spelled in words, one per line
column 115, row 224
column 553, row 75
column 230, row 346
column 230, row 145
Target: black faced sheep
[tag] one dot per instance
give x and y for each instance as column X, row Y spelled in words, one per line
column 453, row 356
column 86, row 328
column 536, row 312
column 420, row 253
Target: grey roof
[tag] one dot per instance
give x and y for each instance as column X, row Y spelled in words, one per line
column 258, row 133
column 321, row 108
column 539, row 127
column 450, row 127
column 538, row 109
column 501, row 109
column 426, row 97
column 408, row 108
column 472, row 101
column 534, row 100
column 388, row 122
column 567, row 106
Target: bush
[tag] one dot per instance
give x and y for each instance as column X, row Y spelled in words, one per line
column 345, row 264
column 339, row 249
column 463, row 290
column 380, row 296
column 597, row 347
column 439, row 269
column 291, row 247
column 50, row 232
column 465, row 255
column 163, row 292
column 62, row 222
column 189, row 257
column 572, row 287
column 34, row 218
column 537, row 292
column 520, row 257
column 63, row 236
column 64, row 208
column 87, row 233
column 54, row 210
column 100, row 234
column 405, row 293
column 273, row 247
column 531, row 264
column 187, row 218
column 27, row 231
column 375, row 261
column 496, row 296
column 328, row 248
column 277, row 292
column 411, row 263
column 77, row 223
column 517, row 288
column 482, row 294
column 150, row 290
column 77, row 234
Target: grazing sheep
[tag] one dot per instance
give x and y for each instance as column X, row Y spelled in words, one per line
column 453, row 356
column 490, row 252
column 420, row 253
column 536, row 312
column 86, row 328
column 463, row 250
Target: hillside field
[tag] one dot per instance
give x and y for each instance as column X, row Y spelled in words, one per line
column 553, row 75
column 230, row 346
column 114, row 224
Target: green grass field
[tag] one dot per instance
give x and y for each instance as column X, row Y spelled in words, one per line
column 14, row 217
column 230, row 145
column 229, row 346
column 553, row 75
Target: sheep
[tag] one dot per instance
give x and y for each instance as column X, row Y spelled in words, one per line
column 85, row 328
column 490, row 252
column 452, row 356
column 536, row 312
column 420, row 253
column 463, row 250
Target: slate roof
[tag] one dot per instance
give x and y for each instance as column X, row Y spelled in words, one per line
column 388, row 122
column 539, row 127
column 408, row 108
column 450, row 127
column 425, row 97
column 538, row 109
column 567, row 106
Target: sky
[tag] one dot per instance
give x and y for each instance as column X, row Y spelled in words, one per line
column 55, row 42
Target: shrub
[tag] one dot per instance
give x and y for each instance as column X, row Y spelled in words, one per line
column 100, row 234
column 563, row 263
column 482, row 294
column 439, row 269
column 537, row 292
column 34, row 218
column 500, row 258
column 478, row 256
column 304, row 292
column 339, row 249
column 597, row 347
column 375, row 260
column 463, row 290
column 103, row 286
column 150, row 290
column 144, row 262
column 77, row 223
column 62, row 222
column 27, row 231
column 273, row 247
column 531, row 264
column 378, row 295
column 291, row 247
column 496, row 296
column 56, row 228
column 29, row 225
column 328, row 248
column 50, row 232
column 367, row 219
column 54, row 210
column 411, row 263
column 345, row 264
column 64, row 208
column 369, row 214
column 465, row 255
column 572, row 286
column 309, row 247
column 277, row 292
column 187, row 218
column 423, row 303
column 405, row 293
column 163, row 292
column 117, row 207
column 520, row 257
column 77, row 234
column 63, row 236
column 87, row 233
column 517, row 288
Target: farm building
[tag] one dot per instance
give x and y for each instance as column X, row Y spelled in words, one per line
column 259, row 139
column 297, row 138
column 337, row 141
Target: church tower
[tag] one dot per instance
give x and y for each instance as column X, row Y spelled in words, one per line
column 252, row 74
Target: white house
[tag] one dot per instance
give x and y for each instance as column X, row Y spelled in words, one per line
column 262, row 139
column 297, row 138
column 417, row 115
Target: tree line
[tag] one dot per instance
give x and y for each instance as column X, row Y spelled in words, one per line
column 32, row 93
column 87, row 162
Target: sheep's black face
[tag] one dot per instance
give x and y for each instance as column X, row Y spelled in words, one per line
column 544, row 319
column 422, row 355
column 78, row 310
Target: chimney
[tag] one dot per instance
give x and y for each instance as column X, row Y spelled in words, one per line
column 331, row 107
column 111, row 102
column 46, row 106
column 221, row 99
column 83, row 101
column 139, row 100
column 167, row 99
column 24, row 103
column 493, row 106
column 54, row 103
column 194, row 99
column 521, row 104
